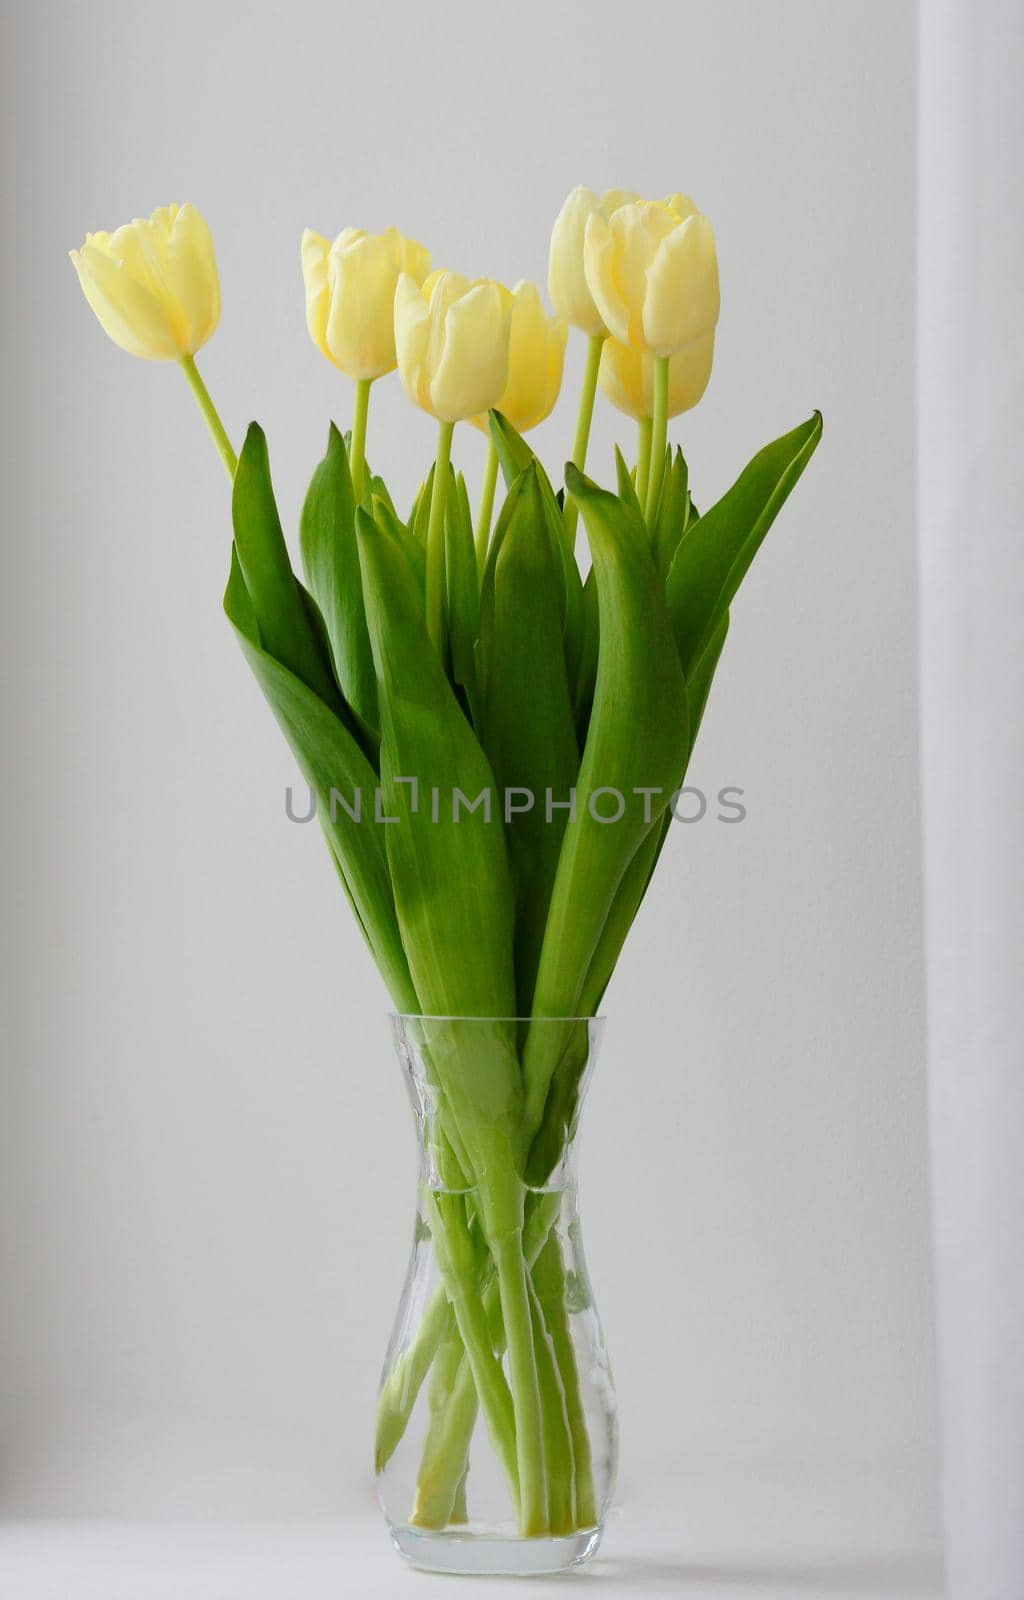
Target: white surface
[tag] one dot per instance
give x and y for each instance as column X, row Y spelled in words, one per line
column 971, row 410
column 642, row 1554
column 208, row 1161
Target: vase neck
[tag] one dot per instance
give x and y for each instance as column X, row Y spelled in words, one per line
column 508, row 1086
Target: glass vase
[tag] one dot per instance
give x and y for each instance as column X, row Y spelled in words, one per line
column 496, row 1425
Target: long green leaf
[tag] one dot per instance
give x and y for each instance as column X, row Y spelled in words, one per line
column 450, row 876
column 412, row 549
column 638, row 737
column 330, row 559
column 514, row 456
column 462, row 593
column 714, row 556
column 282, row 615
column 673, row 513
column 335, row 767
column 586, row 676
column 528, row 731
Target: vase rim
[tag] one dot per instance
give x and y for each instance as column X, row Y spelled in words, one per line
column 427, row 1016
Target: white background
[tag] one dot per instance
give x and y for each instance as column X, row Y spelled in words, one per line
column 208, row 1170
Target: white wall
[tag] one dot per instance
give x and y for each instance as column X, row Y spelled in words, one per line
column 971, row 490
column 209, row 1169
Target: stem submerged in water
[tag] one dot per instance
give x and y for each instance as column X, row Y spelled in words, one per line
column 502, row 1198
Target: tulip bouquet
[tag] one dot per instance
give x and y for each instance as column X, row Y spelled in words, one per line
column 494, row 738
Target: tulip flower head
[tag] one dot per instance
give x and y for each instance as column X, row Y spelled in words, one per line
column 536, row 351
column 627, row 377
column 153, row 283
column 452, row 340
column 567, row 281
column 653, row 272
column 350, row 296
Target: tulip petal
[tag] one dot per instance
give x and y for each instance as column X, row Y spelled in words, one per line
column 410, row 256
column 412, row 338
column 599, row 265
column 689, row 372
column 567, row 281
column 620, row 377
column 361, row 320
column 681, row 204
column 473, row 367
column 612, row 199
column 127, row 312
column 314, row 274
column 190, row 271
column 535, row 355
column 682, row 300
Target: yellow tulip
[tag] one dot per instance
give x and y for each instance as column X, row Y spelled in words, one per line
column 653, row 273
column 153, row 284
column 350, row 295
column 452, row 340
column 627, row 377
column 567, row 282
column 536, row 351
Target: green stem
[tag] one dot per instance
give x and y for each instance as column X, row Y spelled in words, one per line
column 444, row 1462
column 643, row 457
column 558, row 1447
column 435, row 535
column 357, row 451
column 398, row 1394
column 513, row 1288
column 584, row 417
column 210, row 417
column 549, row 1286
column 659, row 437
column 457, row 1264
column 460, row 1508
column 486, row 511
column 435, row 1499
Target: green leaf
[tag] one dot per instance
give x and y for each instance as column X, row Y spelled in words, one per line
column 637, row 738
column 640, row 871
column 514, row 456
column 527, row 730
column 451, row 880
column 419, row 519
column 638, row 874
column 714, row 556
column 330, row 559
column 377, row 489
column 282, row 615
column 673, row 513
column 626, row 486
column 462, row 593
column 331, row 760
column 414, row 552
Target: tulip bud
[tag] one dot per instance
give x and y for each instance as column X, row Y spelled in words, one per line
column 452, row 340
column 350, row 295
column 567, row 283
column 153, row 284
column 536, row 349
column 627, row 377
column 653, row 273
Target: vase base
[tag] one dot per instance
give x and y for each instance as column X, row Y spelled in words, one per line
column 496, row 1554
